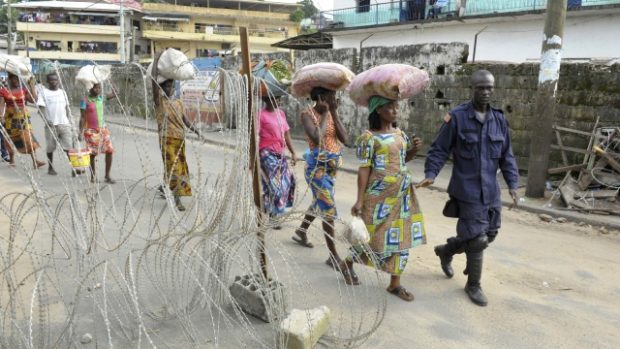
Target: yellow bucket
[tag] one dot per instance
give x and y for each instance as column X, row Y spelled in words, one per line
column 80, row 159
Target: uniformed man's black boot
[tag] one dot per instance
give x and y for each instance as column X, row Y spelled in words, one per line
column 472, row 288
column 445, row 257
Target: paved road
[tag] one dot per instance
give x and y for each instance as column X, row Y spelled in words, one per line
column 549, row 285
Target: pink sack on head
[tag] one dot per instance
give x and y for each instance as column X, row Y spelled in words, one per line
column 392, row 81
column 332, row 76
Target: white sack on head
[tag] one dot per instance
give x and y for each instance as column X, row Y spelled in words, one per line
column 89, row 75
column 332, row 76
column 173, row 65
column 391, row 81
column 16, row 65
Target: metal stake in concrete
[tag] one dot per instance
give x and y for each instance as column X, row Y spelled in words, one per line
column 254, row 165
column 542, row 122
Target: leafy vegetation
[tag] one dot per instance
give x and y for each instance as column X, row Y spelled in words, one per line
column 306, row 10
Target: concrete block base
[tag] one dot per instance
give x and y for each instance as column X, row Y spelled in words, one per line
column 302, row 329
column 264, row 299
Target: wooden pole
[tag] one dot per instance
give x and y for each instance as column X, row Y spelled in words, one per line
column 542, row 122
column 254, row 164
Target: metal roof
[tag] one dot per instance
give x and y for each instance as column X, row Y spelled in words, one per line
column 318, row 40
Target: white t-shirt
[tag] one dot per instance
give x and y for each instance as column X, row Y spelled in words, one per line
column 55, row 103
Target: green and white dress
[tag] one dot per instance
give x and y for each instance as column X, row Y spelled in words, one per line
column 391, row 210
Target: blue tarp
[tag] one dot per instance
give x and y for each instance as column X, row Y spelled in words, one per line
column 207, row 63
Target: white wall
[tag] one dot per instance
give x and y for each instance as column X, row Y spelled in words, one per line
column 339, row 4
column 588, row 34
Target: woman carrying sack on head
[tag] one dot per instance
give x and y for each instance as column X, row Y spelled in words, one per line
column 17, row 119
column 386, row 200
column 326, row 134
column 172, row 124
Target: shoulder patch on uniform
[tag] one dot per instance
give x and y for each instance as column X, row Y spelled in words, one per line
column 498, row 110
column 447, row 118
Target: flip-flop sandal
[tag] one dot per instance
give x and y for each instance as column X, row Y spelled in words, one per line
column 402, row 293
column 350, row 277
column 330, row 263
column 302, row 242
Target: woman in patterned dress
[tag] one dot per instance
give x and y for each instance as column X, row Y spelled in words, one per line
column 17, row 119
column 172, row 124
column 326, row 134
column 386, row 200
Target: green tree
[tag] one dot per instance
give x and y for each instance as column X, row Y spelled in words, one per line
column 4, row 19
column 306, row 10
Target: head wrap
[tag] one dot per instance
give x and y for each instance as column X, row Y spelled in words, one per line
column 375, row 102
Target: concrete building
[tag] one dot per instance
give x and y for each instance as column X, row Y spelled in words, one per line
column 76, row 32
column 207, row 28
column 79, row 32
column 509, row 31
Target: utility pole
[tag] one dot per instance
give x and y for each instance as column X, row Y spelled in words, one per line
column 122, row 24
column 542, row 123
column 9, row 28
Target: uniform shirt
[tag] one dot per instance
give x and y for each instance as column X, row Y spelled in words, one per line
column 94, row 111
column 271, row 130
column 478, row 150
column 55, row 103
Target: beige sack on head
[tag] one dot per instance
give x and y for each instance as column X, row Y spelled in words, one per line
column 90, row 75
column 332, row 76
column 173, row 65
column 16, row 65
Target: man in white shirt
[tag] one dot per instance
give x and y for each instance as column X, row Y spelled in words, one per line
column 53, row 104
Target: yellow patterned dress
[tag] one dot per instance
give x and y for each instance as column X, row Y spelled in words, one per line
column 391, row 210
column 172, row 142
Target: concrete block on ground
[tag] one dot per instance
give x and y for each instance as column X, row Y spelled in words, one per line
column 264, row 299
column 302, row 329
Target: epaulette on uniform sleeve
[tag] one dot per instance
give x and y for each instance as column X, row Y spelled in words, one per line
column 498, row 110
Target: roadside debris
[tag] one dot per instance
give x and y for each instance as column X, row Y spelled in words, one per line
column 593, row 185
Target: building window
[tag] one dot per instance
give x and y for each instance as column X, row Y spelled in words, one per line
column 363, row 6
column 206, row 53
column 98, row 47
column 44, row 45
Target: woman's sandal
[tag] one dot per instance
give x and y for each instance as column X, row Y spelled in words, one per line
column 349, row 275
column 402, row 293
column 302, row 240
column 330, row 263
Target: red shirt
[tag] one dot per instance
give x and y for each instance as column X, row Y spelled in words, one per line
column 15, row 97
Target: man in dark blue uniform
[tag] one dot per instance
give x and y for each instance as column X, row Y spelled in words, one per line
column 477, row 136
